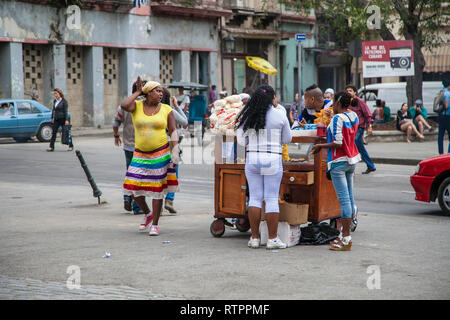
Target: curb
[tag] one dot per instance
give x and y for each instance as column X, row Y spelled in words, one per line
column 397, row 136
column 93, row 133
column 396, row 161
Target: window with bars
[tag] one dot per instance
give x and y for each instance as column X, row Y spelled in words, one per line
column 110, row 65
column 74, row 62
column 32, row 59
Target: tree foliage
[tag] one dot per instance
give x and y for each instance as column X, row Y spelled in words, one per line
column 348, row 18
column 417, row 20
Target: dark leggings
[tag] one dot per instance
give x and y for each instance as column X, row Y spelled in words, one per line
column 56, row 124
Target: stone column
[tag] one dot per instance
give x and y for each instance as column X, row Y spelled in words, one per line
column 182, row 68
column 134, row 63
column 194, row 66
column 54, row 71
column 213, row 69
column 11, row 81
column 93, row 90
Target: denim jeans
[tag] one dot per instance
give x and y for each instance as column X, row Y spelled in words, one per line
column 342, row 178
column 362, row 150
column 171, row 195
column 444, row 124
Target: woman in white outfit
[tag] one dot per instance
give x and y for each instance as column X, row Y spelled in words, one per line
column 263, row 128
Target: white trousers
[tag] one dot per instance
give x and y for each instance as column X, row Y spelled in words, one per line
column 264, row 172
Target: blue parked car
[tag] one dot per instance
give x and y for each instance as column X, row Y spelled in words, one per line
column 22, row 119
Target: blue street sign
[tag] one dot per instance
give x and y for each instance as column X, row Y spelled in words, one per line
column 300, row 36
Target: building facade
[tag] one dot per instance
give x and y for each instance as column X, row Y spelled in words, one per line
column 95, row 53
column 267, row 30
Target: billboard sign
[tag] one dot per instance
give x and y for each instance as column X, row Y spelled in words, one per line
column 387, row 58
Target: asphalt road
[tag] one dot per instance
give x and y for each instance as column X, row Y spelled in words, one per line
column 388, row 190
column 49, row 221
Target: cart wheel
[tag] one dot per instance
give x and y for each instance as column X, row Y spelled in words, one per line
column 217, row 228
column 243, row 225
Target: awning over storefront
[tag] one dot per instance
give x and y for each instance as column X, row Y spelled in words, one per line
column 437, row 59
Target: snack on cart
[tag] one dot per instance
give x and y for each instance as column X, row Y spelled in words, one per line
column 323, row 120
column 323, row 117
column 224, row 114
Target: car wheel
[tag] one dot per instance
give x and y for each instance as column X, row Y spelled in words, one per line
column 444, row 196
column 45, row 133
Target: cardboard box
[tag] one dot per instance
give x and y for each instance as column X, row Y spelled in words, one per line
column 287, row 233
column 292, row 213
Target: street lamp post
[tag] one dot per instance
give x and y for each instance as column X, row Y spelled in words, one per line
column 229, row 43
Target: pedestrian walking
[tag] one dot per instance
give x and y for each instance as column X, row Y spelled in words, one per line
column 444, row 117
column 125, row 118
column 365, row 122
column 341, row 162
column 263, row 128
column 59, row 117
column 212, row 94
column 180, row 121
column 151, row 172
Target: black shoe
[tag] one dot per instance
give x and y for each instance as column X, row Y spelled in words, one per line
column 127, row 204
column 369, row 171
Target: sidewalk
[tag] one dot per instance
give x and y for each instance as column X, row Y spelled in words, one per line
column 388, row 147
column 403, row 153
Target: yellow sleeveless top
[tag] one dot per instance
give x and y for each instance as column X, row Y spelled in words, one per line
column 150, row 131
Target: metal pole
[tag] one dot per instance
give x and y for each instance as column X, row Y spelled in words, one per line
column 357, row 73
column 96, row 190
column 299, row 72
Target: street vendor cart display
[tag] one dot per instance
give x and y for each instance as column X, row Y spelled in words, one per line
column 304, row 181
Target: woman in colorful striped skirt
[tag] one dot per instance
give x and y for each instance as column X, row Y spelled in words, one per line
column 151, row 172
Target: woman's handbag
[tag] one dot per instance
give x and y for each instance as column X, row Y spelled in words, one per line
column 66, row 135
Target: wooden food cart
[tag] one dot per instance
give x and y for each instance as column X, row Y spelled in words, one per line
column 302, row 182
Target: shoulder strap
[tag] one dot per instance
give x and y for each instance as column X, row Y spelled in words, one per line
column 348, row 117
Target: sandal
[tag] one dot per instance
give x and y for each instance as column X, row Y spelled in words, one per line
column 70, row 149
column 50, row 150
column 340, row 246
column 336, row 241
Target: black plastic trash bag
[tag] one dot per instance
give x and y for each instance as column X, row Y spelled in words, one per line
column 66, row 135
column 316, row 234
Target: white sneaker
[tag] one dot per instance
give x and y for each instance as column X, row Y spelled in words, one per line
column 275, row 244
column 253, row 243
column 154, row 231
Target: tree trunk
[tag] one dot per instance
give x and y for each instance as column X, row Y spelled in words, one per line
column 414, row 83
